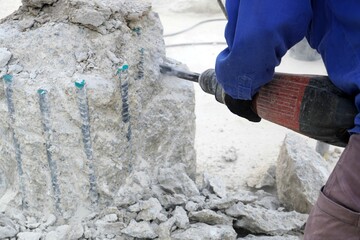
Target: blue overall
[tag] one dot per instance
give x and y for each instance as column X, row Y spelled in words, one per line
column 259, row 33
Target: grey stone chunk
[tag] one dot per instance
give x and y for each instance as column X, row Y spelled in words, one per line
column 198, row 199
column 8, row 228
column 133, row 190
column 210, row 217
column 244, row 196
column 182, row 220
column 269, row 202
column 29, row 236
column 49, row 221
column 5, row 57
column 164, row 229
column 221, row 203
column 191, row 206
column 215, row 185
column 175, row 180
column 110, row 227
column 166, row 200
column 139, row 230
column 301, row 172
column 262, row 220
column 149, row 210
column 202, row 231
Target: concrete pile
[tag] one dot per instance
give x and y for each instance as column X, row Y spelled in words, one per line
column 172, row 207
column 83, row 105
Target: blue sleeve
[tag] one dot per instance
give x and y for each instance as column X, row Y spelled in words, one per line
column 258, row 34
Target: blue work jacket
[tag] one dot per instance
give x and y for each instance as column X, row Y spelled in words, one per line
column 259, row 33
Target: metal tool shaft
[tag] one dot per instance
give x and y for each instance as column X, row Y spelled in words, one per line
column 171, row 71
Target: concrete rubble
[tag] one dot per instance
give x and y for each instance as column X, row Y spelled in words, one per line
column 173, row 206
column 199, row 215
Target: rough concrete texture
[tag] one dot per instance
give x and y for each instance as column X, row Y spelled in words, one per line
column 300, row 174
column 68, row 146
column 239, row 215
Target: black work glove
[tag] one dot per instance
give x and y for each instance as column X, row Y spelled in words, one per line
column 242, row 108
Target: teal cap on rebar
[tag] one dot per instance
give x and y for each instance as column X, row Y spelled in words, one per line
column 137, row 30
column 122, row 68
column 7, row 78
column 80, row 84
column 125, row 67
column 42, row 91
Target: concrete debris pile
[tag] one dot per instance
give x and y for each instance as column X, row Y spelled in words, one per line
column 172, row 207
column 83, row 104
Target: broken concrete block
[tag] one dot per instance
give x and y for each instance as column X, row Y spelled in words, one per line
column 174, row 180
column 139, row 230
column 88, row 109
column 181, row 218
column 256, row 219
column 149, row 210
column 8, row 228
column 202, row 231
column 164, row 229
column 215, row 185
column 210, row 217
column 300, row 174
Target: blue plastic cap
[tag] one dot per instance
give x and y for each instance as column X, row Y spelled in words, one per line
column 7, row 78
column 80, row 84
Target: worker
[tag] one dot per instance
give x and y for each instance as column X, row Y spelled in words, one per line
column 258, row 35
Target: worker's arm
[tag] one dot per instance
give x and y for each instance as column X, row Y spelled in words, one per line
column 258, row 34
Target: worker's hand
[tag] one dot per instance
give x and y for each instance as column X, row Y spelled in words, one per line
column 242, row 108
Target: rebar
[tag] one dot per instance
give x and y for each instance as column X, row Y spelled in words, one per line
column 85, row 130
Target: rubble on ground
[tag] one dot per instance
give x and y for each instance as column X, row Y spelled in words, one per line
column 173, row 206
column 175, row 210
